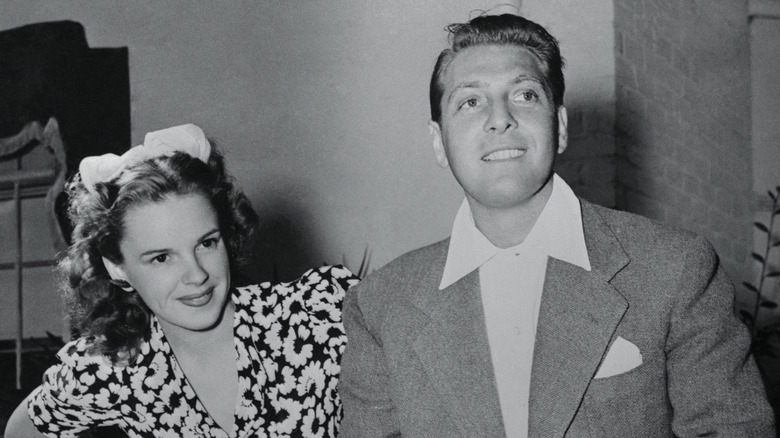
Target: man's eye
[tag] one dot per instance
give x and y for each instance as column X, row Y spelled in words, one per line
column 469, row 103
column 527, row 96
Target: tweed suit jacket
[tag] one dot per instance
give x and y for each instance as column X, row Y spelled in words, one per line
column 417, row 363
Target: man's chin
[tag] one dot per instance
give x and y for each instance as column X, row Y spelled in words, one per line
column 504, row 198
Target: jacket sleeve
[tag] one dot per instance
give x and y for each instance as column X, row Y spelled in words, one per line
column 713, row 383
column 365, row 383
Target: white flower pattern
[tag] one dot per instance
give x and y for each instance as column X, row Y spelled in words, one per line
column 288, row 337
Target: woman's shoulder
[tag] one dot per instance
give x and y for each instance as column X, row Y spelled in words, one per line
column 82, row 380
column 302, row 340
column 83, row 357
column 318, row 291
column 325, row 282
column 83, row 368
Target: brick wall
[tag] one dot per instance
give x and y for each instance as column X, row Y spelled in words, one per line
column 765, row 102
column 584, row 30
column 683, row 119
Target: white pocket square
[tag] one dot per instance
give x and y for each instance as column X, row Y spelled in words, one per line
column 623, row 356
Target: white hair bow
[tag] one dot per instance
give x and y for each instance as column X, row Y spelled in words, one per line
column 189, row 139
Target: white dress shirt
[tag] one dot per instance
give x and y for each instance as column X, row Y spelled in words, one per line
column 511, row 282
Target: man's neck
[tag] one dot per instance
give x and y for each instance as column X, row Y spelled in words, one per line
column 508, row 227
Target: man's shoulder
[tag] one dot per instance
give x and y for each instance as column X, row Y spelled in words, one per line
column 632, row 226
column 416, row 259
column 418, row 269
column 644, row 237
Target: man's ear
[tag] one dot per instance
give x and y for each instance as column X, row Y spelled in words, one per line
column 563, row 133
column 438, row 145
column 116, row 272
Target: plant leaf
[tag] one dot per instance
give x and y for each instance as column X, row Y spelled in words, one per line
column 758, row 257
column 363, row 270
column 769, row 304
column 761, row 227
column 750, row 286
column 745, row 316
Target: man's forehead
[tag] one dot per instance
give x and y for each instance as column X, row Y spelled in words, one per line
column 477, row 65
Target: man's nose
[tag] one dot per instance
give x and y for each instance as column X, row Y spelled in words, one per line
column 195, row 274
column 500, row 118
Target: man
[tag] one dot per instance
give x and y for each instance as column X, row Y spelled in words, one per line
column 543, row 315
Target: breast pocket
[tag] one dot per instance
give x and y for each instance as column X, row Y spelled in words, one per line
column 634, row 403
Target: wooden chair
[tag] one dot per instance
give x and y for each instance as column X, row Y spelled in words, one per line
column 18, row 183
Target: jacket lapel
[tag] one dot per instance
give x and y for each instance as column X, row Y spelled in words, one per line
column 454, row 351
column 579, row 313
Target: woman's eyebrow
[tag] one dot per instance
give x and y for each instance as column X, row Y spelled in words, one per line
column 159, row 250
column 209, row 233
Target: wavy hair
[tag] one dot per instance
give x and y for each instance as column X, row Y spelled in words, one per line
column 505, row 29
column 117, row 321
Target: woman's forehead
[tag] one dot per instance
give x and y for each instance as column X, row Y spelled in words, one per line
column 182, row 217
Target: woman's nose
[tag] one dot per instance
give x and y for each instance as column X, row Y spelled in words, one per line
column 195, row 274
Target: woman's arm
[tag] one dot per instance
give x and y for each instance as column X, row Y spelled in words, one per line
column 20, row 425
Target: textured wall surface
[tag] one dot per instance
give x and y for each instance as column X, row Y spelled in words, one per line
column 584, row 30
column 765, row 114
column 322, row 108
column 683, row 119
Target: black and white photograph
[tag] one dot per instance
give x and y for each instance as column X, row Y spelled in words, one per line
column 365, row 219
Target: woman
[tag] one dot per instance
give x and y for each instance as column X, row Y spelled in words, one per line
column 168, row 346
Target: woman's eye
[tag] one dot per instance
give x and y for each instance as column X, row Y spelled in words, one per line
column 210, row 242
column 162, row 258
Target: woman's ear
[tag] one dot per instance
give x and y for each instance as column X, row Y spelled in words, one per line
column 116, row 272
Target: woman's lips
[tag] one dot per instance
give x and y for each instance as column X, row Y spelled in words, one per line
column 198, row 300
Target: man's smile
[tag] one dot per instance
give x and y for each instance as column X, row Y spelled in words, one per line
column 504, row 154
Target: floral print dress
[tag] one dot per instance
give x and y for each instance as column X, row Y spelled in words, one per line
column 288, row 338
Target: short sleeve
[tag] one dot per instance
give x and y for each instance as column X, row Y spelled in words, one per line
column 300, row 343
column 342, row 277
column 81, row 392
column 329, row 285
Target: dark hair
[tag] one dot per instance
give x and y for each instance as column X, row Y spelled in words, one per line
column 499, row 30
column 117, row 321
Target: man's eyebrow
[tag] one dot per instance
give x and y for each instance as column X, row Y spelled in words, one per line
column 523, row 78
column 462, row 85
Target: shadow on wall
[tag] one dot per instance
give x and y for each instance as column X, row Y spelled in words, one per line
column 287, row 242
column 589, row 165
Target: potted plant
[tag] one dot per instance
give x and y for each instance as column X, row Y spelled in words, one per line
column 765, row 328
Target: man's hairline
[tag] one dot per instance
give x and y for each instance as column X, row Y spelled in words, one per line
column 452, row 53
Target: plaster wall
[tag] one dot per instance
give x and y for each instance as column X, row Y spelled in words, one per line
column 321, row 109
